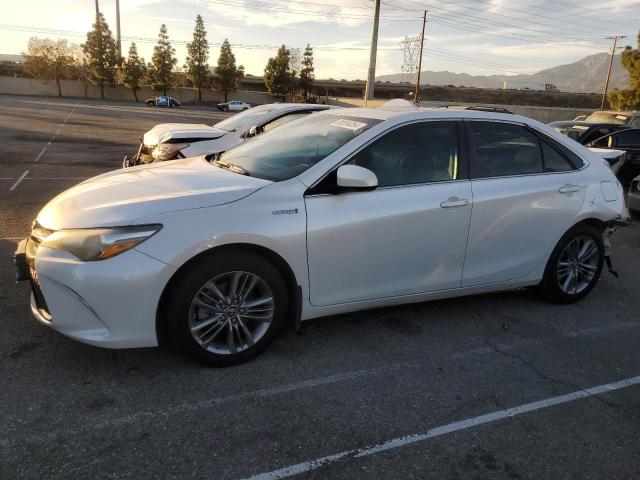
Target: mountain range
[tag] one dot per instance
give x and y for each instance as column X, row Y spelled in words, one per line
column 586, row 75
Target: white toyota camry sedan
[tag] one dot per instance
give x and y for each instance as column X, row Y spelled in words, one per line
column 343, row 210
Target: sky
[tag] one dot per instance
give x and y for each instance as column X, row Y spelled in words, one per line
column 479, row 37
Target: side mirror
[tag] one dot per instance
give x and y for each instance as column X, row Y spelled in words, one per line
column 353, row 176
column 253, row 131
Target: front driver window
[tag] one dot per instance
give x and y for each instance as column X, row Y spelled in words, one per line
column 416, row 153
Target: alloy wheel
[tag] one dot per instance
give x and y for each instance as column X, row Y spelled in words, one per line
column 231, row 312
column 577, row 265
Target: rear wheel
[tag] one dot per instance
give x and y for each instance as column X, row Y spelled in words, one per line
column 227, row 309
column 575, row 265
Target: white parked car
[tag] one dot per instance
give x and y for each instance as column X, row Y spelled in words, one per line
column 233, row 106
column 168, row 141
column 344, row 210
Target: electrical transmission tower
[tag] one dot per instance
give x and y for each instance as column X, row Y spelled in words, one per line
column 411, row 49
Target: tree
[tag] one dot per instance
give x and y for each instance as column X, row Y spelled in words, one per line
column 100, row 54
column 134, row 70
column 307, row 75
column 226, row 75
column 198, row 54
column 162, row 63
column 49, row 60
column 628, row 98
column 278, row 76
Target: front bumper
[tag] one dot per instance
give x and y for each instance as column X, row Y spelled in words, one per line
column 110, row 303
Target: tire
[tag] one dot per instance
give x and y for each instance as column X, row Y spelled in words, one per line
column 225, row 109
column 244, row 109
column 238, row 320
column 574, row 266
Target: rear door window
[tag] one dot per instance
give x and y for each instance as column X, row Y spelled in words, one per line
column 553, row 160
column 503, row 149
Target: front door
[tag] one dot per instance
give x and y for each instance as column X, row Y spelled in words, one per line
column 407, row 236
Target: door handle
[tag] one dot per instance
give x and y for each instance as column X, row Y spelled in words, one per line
column 570, row 188
column 452, row 202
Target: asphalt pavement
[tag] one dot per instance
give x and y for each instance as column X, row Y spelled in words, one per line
column 499, row 386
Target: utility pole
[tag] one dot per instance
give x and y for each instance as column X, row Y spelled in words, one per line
column 417, row 95
column 97, row 8
column 371, row 77
column 118, row 42
column 615, row 39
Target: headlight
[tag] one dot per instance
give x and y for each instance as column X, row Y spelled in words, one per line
column 89, row 244
column 167, row 151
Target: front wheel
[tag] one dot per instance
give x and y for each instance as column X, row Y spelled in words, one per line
column 575, row 265
column 225, row 109
column 227, row 309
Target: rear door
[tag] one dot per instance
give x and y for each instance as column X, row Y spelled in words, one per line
column 526, row 194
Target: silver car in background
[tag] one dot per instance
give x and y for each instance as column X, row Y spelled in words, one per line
column 170, row 141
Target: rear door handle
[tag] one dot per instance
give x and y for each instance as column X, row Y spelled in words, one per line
column 570, row 188
column 452, row 202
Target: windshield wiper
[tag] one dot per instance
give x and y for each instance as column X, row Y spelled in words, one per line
column 230, row 166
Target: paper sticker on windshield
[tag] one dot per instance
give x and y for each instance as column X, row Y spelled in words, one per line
column 579, row 127
column 350, row 124
column 621, row 117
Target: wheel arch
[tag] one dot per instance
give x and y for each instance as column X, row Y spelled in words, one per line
column 274, row 258
column 591, row 221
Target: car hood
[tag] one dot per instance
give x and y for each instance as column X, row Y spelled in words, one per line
column 181, row 131
column 121, row 196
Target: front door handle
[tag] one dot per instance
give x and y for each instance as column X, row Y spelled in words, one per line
column 452, row 202
column 570, row 188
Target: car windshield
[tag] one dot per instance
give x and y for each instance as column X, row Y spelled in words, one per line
column 246, row 119
column 286, row 152
column 608, row 117
column 575, row 132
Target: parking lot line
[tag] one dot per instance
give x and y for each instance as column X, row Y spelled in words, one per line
column 211, row 402
column 44, row 149
column 17, row 182
column 465, row 424
column 198, row 406
column 53, row 137
column 44, row 178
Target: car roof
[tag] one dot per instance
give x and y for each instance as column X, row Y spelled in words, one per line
column 580, row 123
column 427, row 113
column 617, row 112
column 292, row 107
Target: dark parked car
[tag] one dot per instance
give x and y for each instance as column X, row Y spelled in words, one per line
column 629, row 141
column 613, row 116
column 162, row 101
column 585, row 132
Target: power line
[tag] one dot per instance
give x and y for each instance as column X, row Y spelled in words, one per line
column 305, row 12
column 440, row 54
column 469, row 26
column 494, row 14
column 492, row 22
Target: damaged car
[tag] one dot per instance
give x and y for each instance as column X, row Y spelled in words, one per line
column 343, row 210
column 169, row 141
